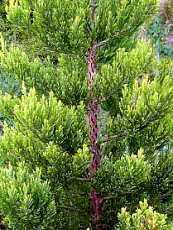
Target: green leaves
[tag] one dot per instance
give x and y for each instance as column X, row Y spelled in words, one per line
column 71, row 82
column 67, row 81
column 144, row 218
column 118, row 21
column 146, row 100
column 72, row 30
column 34, row 74
column 18, row 13
column 7, row 104
column 64, row 26
column 136, row 91
column 149, row 107
column 25, row 199
column 125, row 68
column 50, row 40
column 49, row 120
column 16, row 147
column 122, row 176
column 115, row 19
column 38, row 122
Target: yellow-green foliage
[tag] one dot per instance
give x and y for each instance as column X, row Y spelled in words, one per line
column 145, row 218
column 67, row 81
column 28, row 206
column 49, row 120
column 52, row 134
column 44, row 151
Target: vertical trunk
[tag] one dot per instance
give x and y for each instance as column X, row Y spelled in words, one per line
column 93, row 111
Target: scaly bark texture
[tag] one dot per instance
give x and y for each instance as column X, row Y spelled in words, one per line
column 93, row 109
column 93, row 112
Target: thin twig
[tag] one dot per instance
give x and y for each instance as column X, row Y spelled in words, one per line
column 70, row 208
column 81, row 179
column 115, row 137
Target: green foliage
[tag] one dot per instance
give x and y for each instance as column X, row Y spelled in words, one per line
column 7, row 104
column 66, row 24
column 28, row 206
column 138, row 102
column 123, row 175
column 144, row 218
column 2, row 13
column 16, row 63
column 58, row 167
column 116, row 23
column 49, row 18
column 56, row 27
column 145, row 107
column 50, row 135
column 18, row 13
column 161, row 182
column 18, row 147
column 112, row 78
column 43, row 106
column 67, row 81
column 49, row 120
column 71, row 82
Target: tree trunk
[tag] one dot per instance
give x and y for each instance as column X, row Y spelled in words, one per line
column 93, row 112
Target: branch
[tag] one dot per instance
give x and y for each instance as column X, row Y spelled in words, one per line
column 81, row 194
column 163, row 196
column 93, row 9
column 105, row 42
column 119, row 34
column 139, row 128
column 70, row 208
column 111, row 138
column 81, row 179
column 115, row 197
column 114, row 36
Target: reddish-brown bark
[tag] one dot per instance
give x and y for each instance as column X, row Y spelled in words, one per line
column 93, row 112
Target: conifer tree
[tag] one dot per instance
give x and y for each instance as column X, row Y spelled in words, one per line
column 88, row 125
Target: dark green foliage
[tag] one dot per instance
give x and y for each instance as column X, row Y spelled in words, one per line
column 57, row 28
